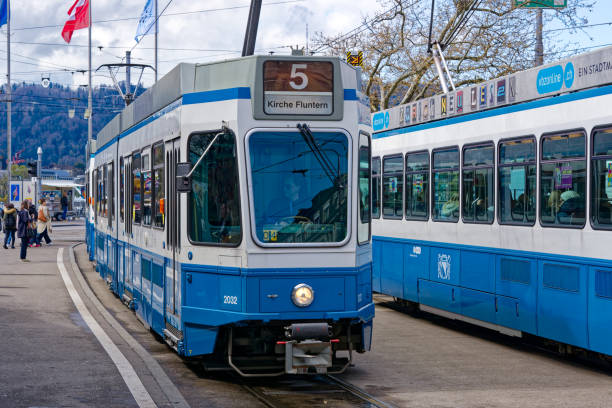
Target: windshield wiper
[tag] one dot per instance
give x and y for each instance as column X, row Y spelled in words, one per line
column 206, row 150
column 319, row 154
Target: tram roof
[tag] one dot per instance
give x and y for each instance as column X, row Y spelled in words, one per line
column 589, row 70
column 188, row 78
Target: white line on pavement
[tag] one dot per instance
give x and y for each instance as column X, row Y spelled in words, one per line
column 141, row 395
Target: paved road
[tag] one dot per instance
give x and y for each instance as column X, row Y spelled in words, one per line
column 52, row 358
column 433, row 362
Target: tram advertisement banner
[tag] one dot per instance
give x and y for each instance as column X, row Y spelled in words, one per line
column 298, row 87
column 563, row 177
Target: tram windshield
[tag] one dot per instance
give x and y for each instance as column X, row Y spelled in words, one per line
column 299, row 187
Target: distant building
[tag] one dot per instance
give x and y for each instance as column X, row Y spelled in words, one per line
column 56, row 174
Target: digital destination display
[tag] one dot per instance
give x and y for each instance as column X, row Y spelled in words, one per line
column 298, row 87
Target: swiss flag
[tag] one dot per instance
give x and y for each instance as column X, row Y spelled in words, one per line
column 79, row 18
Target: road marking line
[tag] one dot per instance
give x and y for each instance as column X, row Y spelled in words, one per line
column 139, row 392
column 167, row 386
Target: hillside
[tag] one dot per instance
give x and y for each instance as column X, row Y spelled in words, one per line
column 40, row 117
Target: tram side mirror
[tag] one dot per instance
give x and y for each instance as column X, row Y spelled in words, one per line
column 183, row 179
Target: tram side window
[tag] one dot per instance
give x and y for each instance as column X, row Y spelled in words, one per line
column 446, row 184
column 601, row 179
column 147, row 196
column 563, row 179
column 158, row 186
column 517, row 181
column 393, row 183
column 478, row 187
column 364, row 189
column 111, row 193
column 214, row 203
column 105, row 191
column 136, row 189
column 417, row 186
column 121, row 189
column 376, row 187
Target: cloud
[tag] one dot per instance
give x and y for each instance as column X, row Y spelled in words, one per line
column 195, row 37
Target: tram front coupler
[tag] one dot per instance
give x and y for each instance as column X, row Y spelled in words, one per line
column 308, row 348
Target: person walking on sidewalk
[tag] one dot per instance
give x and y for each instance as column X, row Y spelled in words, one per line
column 24, row 224
column 10, row 225
column 33, row 242
column 64, row 203
column 43, row 226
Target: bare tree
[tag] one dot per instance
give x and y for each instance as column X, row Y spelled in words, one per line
column 482, row 39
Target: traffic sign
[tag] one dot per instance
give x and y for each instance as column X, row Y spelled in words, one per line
column 540, row 3
column 355, row 59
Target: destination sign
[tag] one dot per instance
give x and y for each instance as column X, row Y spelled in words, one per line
column 298, row 87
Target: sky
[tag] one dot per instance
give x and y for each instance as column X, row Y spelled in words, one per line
column 193, row 32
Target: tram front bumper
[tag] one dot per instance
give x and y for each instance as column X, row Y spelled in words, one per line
column 301, row 356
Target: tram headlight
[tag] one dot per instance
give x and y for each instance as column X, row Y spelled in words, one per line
column 302, row 295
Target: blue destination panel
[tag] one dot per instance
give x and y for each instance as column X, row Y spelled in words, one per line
column 562, row 305
column 416, row 265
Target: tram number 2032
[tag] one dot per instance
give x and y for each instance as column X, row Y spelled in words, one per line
column 230, row 300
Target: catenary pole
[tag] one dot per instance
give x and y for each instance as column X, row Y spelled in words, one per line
column 156, row 32
column 9, row 96
column 539, row 46
column 90, row 90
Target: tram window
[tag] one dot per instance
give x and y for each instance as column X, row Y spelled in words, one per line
column 158, row 186
column 563, row 179
column 601, row 179
column 111, row 193
column 297, row 197
column 105, row 191
column 517, row 181
column 376, row 187
column 363, row 229
column 393, row 186
column 147, row 196
column 417, row 186
column 214, row 203
column 446, row 184
column 136, row 188
column 121, row 190
column 478, row 186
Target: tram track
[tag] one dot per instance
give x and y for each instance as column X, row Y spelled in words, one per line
column 320, row 390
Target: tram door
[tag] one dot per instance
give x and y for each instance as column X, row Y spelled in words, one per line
column 172, row 210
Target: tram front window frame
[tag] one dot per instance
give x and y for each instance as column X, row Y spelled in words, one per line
column 264, row 225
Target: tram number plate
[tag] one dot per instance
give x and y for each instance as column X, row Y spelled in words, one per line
column 298, row 87
column 230, row 300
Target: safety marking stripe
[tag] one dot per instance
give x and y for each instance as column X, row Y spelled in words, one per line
column 139, row 392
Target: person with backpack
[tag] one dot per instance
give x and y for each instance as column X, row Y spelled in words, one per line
column 24, row 226
column 10, row 225
column 43, row 226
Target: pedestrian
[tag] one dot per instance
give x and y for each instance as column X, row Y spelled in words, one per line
column 64, row 203
column 43, row 226
column 23, row 227
column 10, row 225
column 33, row 242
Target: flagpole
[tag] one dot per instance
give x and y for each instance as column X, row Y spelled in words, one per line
column 156, row 31
column 8, row 94
column 90, row 91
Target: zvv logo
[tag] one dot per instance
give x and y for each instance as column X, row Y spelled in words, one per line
column 444, row 266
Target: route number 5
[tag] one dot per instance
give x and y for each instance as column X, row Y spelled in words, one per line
column 302, row 76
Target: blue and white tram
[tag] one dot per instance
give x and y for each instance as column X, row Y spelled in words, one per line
column 265, row 264
column 492, row 203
